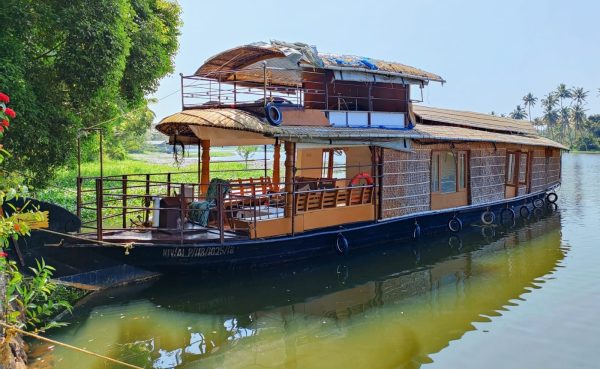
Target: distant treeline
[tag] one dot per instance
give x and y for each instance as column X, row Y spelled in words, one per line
column 564, row 117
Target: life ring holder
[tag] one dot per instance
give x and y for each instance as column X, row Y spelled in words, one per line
column 273, row 114
column 364, row 175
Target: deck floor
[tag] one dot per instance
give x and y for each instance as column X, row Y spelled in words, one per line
column 191, row 233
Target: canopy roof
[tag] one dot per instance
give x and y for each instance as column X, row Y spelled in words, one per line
column 297, row 55
column 469, row 119
column 218, row 124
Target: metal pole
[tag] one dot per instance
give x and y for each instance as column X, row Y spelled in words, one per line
column 101, row 155
column 182, row 210
column 220, row 214
column 265, row 84
column 99, row 204
column 181, row 89
column 265, row 168
column 124, row 193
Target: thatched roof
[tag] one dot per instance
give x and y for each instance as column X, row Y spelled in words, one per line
column 186, row 123
column 294, row 55
column 429, row 115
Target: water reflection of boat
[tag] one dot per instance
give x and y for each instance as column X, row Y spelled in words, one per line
column 378, row 310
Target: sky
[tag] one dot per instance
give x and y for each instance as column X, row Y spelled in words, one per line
column 491, row 53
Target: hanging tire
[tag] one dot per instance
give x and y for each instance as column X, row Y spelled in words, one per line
column 511, row 215
column 273, row 114
column 552, row 207
column 488, row 217
column 538, row 203
column 417, row 232
column 455, row 225
column 551, row 198
column 524, row 212
column 341, row 245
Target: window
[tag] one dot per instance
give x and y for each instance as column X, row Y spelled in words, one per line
column 511, row 168
column 448, row 171
column 327, row 168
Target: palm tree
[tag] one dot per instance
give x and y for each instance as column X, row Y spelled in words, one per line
column 529, row 101
column 578, row 117
column 518, row 113
column 562, row 92
column 564, row 114
column 550, row 117
column 579, row 95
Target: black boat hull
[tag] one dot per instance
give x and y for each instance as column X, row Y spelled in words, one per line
column 332, row 242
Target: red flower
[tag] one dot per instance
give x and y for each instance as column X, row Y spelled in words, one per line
column 1, row 128
column 11, row 113
column 5, row 123
column 3, row 254
column 17, row 227
column 4, row 98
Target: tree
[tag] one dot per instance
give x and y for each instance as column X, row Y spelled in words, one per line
column 550, row 117
column 518, row 113
column 579, row 95
column 246, row 152
column 529, row 101
column 78, row 66
column 562, row 92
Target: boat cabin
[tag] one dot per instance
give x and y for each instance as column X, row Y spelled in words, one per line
column 344, row 140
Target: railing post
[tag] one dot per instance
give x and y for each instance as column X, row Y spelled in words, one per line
column 124, row 200
column 182, row 204
column 79, row 183
column 147, row 200
column 99, row 205
column 265, row 83
column 220, row 208
column 168, row 184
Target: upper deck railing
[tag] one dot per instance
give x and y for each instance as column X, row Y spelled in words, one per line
column 305, row 89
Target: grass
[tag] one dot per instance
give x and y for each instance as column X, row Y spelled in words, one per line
column 62, row 190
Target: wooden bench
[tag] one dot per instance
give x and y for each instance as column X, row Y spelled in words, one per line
column 323, row 199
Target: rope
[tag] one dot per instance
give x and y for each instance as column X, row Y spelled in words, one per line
column 127, row 246
column 130, row 111
column 84, row 351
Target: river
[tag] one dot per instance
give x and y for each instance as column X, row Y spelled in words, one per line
column 522, row 297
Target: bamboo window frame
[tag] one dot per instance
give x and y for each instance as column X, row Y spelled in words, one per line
column 465, row 175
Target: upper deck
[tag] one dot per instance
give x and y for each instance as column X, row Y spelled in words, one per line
column 351, row 90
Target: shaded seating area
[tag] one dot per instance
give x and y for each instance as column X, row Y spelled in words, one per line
column 199, row 211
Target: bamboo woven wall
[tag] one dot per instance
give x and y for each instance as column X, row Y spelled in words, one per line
column 406, row 182
column 538, row 170
column 488, row 165
column 407, row 176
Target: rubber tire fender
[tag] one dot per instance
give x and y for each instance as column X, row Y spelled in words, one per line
column 551, row 198
column 491, row 220
column 525, row 209
column 273, row 114
column 341, row 245
column 455, row 225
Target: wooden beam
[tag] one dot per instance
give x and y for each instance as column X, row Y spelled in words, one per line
column 276, row 160
column 205, row 177
column 289, row 177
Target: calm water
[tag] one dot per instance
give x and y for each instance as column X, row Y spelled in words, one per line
column 527, row 297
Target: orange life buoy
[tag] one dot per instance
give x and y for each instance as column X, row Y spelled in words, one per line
column 364, row 175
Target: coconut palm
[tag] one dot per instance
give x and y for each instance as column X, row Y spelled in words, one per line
column 578, row 117
column 529, row 101
column 562, row 92
column 579, row 95
column 518, row 113
column 549, row 103
column 564, row 114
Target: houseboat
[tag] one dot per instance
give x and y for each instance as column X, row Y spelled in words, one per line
column 351, row 158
